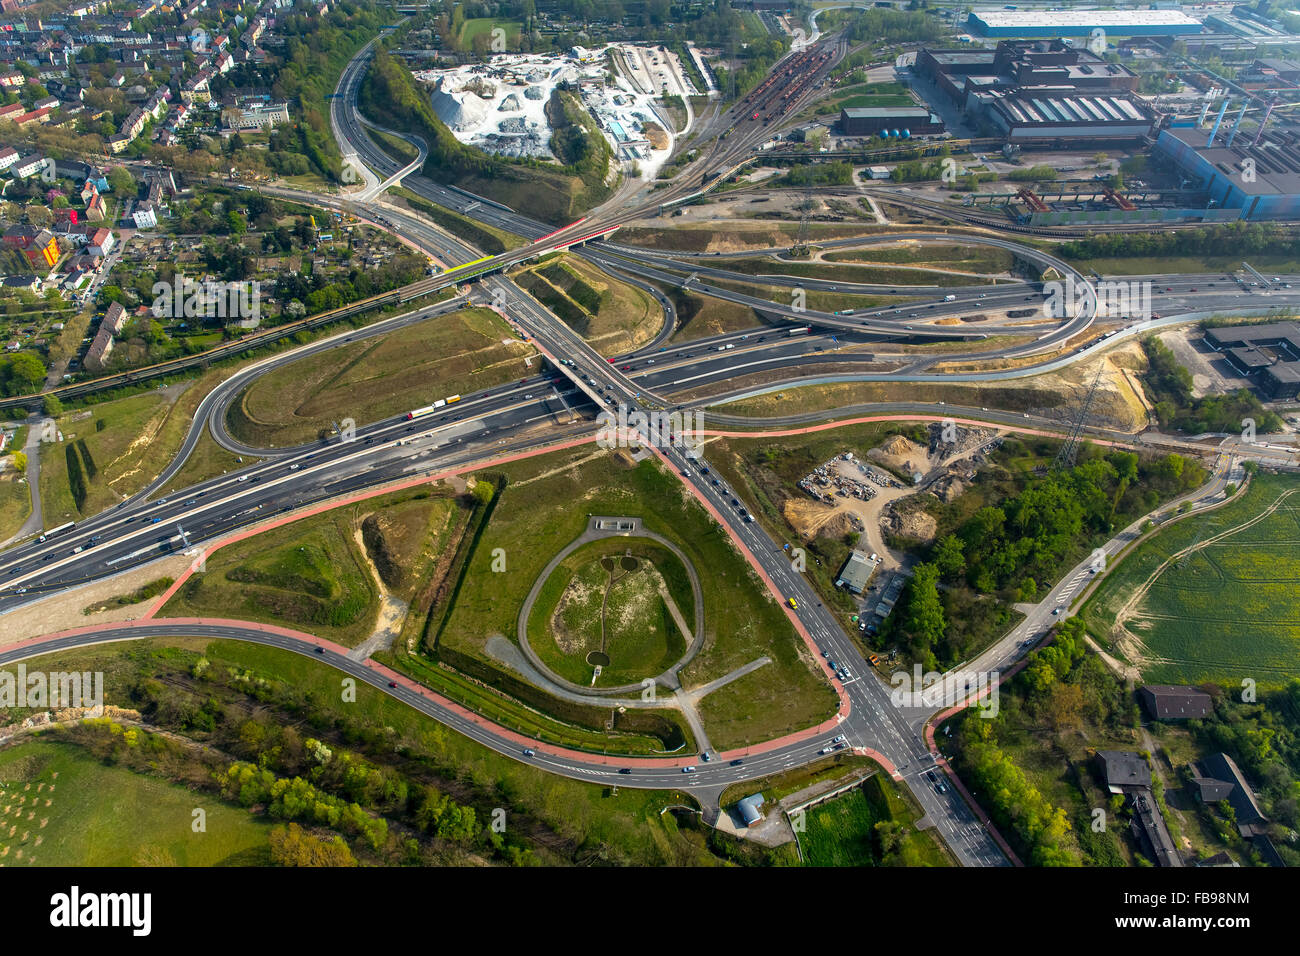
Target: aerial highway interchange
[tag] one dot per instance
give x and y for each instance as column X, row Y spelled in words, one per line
column 559, row 404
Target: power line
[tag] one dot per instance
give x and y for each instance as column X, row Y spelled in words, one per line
column 1069, row 453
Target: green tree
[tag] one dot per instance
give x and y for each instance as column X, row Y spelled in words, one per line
column 121, row 181
column 52, row 406
column 26, row 372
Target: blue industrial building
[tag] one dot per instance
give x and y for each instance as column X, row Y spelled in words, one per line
column 1081, row 23
column 1260, row 178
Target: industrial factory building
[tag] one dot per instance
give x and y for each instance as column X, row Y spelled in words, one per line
column 1268, row 354
column 1081, row 23
column 899, row 121
column 1044, row 114
column 1256, row 174
column 959, row 73
column 1040, row 91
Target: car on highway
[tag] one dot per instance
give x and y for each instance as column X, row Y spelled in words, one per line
column 626, row 770
column 1056, row 611
column 392, row 683
column 706, row 756
column 529, row 752
column 688, row 770
column 320, row 650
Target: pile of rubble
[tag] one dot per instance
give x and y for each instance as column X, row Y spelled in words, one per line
column 830, row 481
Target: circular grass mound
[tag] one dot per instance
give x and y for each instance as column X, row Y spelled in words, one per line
column 608, row 604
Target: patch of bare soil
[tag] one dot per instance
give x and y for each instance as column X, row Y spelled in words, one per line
column 809, row 518
column 657, row 136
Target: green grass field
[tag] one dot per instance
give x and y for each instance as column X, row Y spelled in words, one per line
column 535, row 518
column 15, row 504
column 61, row 807
column 957, row 258
column 613, row 316
column 128, row 440
column 483, row 26
column 842, row 831
column 1226, row 611
column 814, row 298
column 379, row 377
column 939, row 275
column 306, row 575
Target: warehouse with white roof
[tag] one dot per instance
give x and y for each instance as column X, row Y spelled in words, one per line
column 1081, row 23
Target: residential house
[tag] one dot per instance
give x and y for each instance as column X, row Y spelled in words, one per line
column 99, row 240
column 43, row 250
column 1218, row 777
column 1175, row 702
column 144, row 215
column 28, row 165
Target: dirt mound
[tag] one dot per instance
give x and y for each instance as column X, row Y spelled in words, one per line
column 807, row 518
column 907, row 519
column 840, row 524
column 657, row 136
column 901, row 454
column 948, row 488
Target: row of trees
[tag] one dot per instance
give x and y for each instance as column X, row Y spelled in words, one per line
column 1237, row 239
